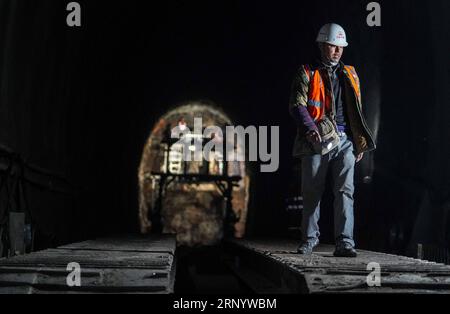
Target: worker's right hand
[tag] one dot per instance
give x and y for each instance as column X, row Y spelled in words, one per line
column 313, row 137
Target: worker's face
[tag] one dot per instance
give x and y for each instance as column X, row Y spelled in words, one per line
column 331, row 52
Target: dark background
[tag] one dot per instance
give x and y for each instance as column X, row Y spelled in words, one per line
column 80, row 103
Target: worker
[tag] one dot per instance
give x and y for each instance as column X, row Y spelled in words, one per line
column 332, row 136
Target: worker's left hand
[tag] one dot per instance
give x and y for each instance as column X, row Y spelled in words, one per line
column 359, row 157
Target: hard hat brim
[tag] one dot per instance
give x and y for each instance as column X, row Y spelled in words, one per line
column 334, row 44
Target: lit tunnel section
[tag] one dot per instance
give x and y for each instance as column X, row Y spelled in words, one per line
column 189, row 198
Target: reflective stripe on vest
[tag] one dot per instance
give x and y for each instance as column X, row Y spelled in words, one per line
column 354, row 79
column 318, row 98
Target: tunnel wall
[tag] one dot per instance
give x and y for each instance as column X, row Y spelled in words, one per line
column 81, row 102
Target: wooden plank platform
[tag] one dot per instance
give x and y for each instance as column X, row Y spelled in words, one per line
column 130, row 264
column 273, row 266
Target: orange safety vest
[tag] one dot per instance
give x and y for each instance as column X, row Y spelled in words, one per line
column 319, row 100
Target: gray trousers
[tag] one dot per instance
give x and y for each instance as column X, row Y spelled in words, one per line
column 341, row 162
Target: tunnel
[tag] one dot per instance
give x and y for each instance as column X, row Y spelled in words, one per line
column 194, row 211
column 85, row 113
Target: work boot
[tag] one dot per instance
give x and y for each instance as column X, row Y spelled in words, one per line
column 306, row 248
column 345, row 249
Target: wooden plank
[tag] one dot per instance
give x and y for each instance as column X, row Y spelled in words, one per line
column 90, row 278
column 163, row 243
column 147, row 265
column 91, row 259
column 321, row 272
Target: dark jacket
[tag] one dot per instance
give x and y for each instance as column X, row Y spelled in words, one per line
column 359, row 130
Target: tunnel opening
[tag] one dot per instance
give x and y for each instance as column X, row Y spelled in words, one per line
column 189, row 198
column 190, row 201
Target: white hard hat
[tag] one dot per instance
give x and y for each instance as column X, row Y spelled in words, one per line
column 332, row 34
